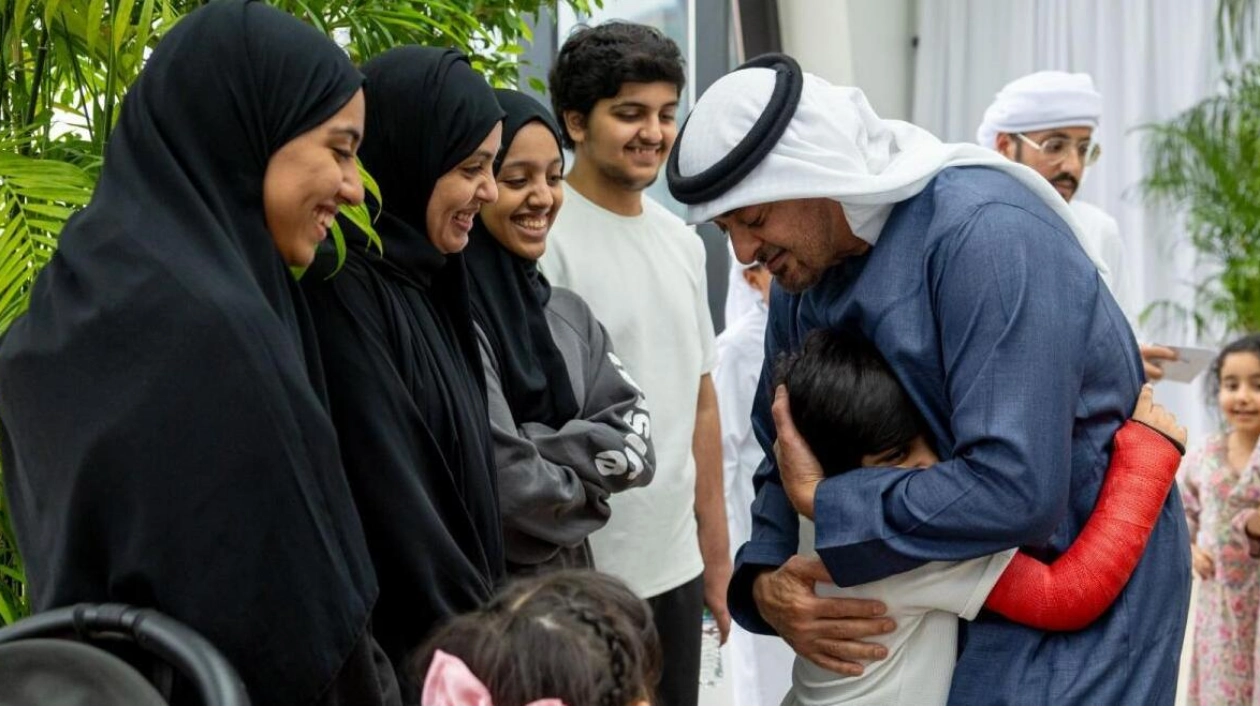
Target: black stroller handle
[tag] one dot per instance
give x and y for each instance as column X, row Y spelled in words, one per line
column 185, row 650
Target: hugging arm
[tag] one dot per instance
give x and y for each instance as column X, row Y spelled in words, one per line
column 1082, row 583
column 772, row 589
column 1013, row 316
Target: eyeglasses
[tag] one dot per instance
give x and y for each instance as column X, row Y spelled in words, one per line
column 1056, row 149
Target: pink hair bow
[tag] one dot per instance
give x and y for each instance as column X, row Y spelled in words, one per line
column 450, row 682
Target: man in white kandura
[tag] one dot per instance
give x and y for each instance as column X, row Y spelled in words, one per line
column 1048, row 121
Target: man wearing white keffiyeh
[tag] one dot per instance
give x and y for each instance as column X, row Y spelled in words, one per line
column 1048, row 120
column 970, row 274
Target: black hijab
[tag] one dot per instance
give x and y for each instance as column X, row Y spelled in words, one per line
column 427, row 111
column 166, row 439
column 404, row 371
column 508, row 297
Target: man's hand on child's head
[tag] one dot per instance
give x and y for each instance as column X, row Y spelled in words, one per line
column 798, row 467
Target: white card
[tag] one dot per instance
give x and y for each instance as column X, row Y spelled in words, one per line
column 1191, row 361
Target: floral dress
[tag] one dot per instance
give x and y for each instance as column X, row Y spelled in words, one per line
column 1218, row 501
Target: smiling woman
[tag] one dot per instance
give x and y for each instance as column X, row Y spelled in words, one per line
column 569, row 426
column 396, row 337
column 460, row 193
column 166, row 438
column 309, row 179
column 530, row 174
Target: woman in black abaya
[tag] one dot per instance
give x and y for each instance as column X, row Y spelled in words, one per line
column 404, row 373
column 569, row 425
column 166, row 438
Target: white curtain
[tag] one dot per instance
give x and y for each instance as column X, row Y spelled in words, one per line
column 1150, row 59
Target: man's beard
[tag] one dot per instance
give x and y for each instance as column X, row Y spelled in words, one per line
column 1065, row 179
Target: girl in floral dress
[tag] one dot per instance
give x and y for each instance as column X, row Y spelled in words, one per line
column 1220, row 486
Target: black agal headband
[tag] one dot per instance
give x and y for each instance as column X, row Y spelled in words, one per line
column 739, row 162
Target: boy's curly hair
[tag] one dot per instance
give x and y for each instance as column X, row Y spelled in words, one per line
column 595, row 61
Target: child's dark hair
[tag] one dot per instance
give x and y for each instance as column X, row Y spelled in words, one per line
column 595, row 61
column 1247, row 344
column 579, row 636
column 845, row 400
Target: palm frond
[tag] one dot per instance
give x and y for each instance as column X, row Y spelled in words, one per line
column 1202, row 162
column 36, row 197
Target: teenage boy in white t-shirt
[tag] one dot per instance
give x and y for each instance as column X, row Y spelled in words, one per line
column 615, row 90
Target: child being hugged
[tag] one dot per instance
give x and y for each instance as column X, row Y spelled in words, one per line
column 854, row 414
column 569, row 637
column 1220, row 488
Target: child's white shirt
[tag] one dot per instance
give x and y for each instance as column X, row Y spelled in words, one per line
column 926, row 603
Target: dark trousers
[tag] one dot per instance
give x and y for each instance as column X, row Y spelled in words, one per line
column 677, row 614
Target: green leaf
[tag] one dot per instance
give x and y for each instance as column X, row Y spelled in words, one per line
column 50, row 12
column 359, row 216
column 144, row 27
column 1202, row 164
column 20, row 8
column 37, row 196
column 122, row 23
column 95, row 23
column 8, row 612
column 369, row 183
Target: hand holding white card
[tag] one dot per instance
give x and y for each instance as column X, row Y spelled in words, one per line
column 1191, row 361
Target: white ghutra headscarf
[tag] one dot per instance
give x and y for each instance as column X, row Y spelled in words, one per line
column 835, row 147
column 1040, row 101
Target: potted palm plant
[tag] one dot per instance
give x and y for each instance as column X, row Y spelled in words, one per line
column 1203, row 163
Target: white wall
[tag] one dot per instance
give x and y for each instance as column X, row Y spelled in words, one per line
column 863, row 43
column 883, row 53
column 816, row 33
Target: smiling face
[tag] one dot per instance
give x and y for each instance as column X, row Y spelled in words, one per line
column 1239, row 394
column 460, row 193
column 531, row 190
column 797, row 240
column 309, row 178
column 626, row 138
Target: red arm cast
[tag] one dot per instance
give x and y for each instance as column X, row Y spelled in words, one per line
column 1083, row 582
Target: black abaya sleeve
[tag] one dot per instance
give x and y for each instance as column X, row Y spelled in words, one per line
column 197, row 474
column 425, row 545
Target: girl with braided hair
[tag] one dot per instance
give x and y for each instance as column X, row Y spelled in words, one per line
column 573, row 637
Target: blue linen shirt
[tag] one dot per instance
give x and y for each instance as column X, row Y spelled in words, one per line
column 997, row 324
